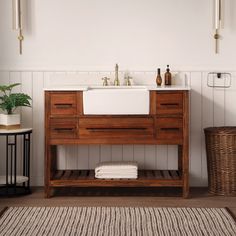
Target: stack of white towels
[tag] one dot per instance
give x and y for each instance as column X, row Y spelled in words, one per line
column 117, row 170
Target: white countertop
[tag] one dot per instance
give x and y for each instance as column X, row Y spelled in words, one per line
column 168, row 87
column 85, row 88
column 68, row 88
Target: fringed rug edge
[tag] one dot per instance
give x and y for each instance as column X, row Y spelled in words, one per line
column 231, row 213
column 3, row 211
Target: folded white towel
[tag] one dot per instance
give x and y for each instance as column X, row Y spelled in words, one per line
column 116, row 176
column 117, row 170
column 121, row 172
column 117, row 165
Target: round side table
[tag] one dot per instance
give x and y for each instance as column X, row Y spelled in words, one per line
column 16, row 182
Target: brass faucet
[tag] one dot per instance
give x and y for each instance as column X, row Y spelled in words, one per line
column 116, row 81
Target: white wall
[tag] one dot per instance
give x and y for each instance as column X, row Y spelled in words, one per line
column 81, row 36
column 138, row 34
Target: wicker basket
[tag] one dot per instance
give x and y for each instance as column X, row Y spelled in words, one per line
column 221, row 160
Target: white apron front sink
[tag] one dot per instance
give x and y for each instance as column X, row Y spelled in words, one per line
column 122, row 100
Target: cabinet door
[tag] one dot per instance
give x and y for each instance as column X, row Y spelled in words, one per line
column 170, row 103
column 63, row 128
column 63, row 103
column 116, row 127
column 169, row 128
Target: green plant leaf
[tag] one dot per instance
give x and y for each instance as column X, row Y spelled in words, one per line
column 10, row 101
column 4, row 88
column 7, row 104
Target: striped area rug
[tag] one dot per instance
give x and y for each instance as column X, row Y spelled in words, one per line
column 116, row 221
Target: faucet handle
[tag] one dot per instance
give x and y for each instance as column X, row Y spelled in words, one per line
column 105, row 81
column 128, row 82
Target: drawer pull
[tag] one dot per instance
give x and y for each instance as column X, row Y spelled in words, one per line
column 169, row 104
column 63, row 105
column 115, row 129
column 170, row 129
column 64, row 129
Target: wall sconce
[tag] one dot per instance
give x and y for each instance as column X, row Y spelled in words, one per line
column 17, row 20
column 218, row 23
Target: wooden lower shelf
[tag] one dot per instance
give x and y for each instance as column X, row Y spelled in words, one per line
column 86, row 178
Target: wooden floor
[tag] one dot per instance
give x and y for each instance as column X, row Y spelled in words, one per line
column 149, row 197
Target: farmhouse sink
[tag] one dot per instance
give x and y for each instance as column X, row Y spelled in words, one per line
column 116, row 100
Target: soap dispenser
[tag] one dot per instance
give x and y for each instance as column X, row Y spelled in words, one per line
column 168, row 76
column 158, row 78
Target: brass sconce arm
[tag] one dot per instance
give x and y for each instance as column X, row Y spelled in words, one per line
column 17, row 20
column 218, row 21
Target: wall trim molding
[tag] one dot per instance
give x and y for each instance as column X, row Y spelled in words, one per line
column 95, row 69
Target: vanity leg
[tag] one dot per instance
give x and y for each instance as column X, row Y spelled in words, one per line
column 46, row 172
column 183, row 169
column 185, row 184
column 47, row 192
column 185, row 147
column 50, row 167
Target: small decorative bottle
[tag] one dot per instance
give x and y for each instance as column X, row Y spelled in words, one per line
column 168, row 76
column 158, row 79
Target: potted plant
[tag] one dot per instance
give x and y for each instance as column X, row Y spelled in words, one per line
column 8, row 103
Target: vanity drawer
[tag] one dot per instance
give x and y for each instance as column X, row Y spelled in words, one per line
column 170, row 103
column 169, row 128
column 63, row 128
column 116, row 127
column 63, row 103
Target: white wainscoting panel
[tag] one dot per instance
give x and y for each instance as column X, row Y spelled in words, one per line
column 208, row 107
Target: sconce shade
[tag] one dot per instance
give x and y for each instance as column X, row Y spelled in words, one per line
column 218, row 6
column 16, row 15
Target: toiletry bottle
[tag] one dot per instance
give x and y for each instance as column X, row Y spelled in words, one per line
column 168, row 76
column 158, row 79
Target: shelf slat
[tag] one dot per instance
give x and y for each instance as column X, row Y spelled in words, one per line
column 146, row 178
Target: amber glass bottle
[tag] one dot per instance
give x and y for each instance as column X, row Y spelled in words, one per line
column 158, row 79
column 168, row 76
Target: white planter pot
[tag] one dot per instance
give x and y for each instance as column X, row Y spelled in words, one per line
column 10, row 121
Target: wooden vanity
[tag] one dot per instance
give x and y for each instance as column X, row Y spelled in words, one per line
column 167, row 123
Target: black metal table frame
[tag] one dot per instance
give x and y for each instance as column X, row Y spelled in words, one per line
column 11, row 162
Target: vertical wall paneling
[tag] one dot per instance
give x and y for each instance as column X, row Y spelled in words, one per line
column 83, row 157
column 61, row 157
column 172, row 154
column 208, row 107
column 116, row 152
column 94, row 155
column 150, row 157
column 128, row 152
column 4, row 79
column 139, row 155
column 71, row 157
column 218, row 106
column 230, row 104
column 207, row 119
column 37, row 169
column 106, row 153
column 195, row 128
column 26, row 87
column 47, row 78
column 162, row 157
